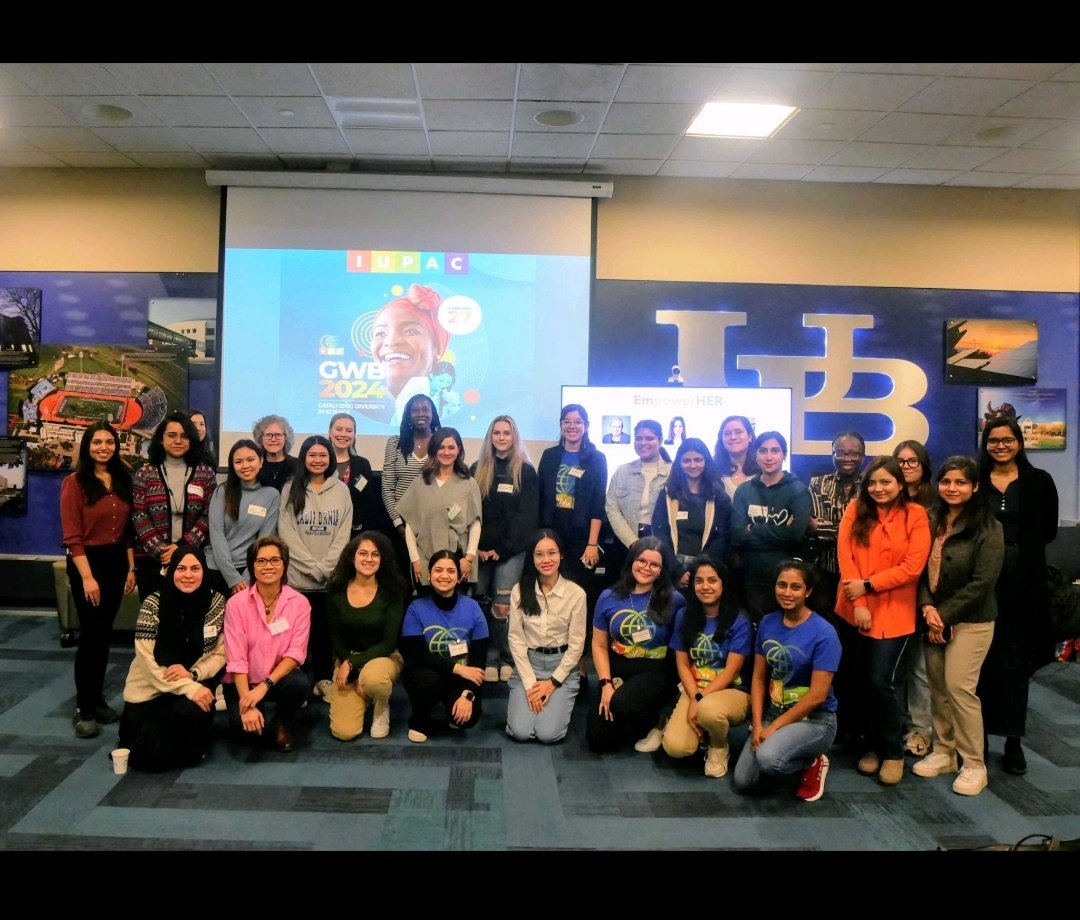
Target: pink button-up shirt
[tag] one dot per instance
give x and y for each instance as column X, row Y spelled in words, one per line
column 251, row 645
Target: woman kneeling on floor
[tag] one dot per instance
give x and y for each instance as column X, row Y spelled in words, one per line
column 793, row 709
column 713, row 643
column 179, row 651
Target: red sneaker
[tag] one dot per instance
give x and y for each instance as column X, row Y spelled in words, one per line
column 813, row 780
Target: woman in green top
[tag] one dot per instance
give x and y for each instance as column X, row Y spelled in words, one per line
column 365, row 604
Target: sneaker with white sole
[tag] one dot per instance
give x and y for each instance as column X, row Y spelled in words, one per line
column 505, row 673
column 380, row 721
column 971, row 781
column 324, row 688
column 85, row 728
column 491, row 674
column 651, row 742
column 935, row 764
column 716, row 761
column 812, row 787
column 219, row 698
column 418, row 737
column 917, row 743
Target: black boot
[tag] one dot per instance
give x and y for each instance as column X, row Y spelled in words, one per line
column 1014, row 761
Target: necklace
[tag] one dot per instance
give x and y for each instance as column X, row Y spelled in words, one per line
column 633, row 604
column 270, row 606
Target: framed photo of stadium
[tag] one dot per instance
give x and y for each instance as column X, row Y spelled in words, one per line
column 132, row 387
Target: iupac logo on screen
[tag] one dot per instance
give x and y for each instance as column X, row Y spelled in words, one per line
column 391, row 262
column 328, row 345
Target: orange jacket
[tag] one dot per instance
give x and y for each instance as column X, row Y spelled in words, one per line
column 895, row 557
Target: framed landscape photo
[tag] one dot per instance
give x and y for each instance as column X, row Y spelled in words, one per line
column 1039, row 411
column 988, row 352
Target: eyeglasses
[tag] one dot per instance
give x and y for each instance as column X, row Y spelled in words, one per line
column 735, row 433
column 273, row 437
column 173, row 436
column 549, row 554
column 273, row 562
column 571, row 423
column 364, row 554
column 847, row 454
column 1001, row 442
column 651, row 566
column 910, row 462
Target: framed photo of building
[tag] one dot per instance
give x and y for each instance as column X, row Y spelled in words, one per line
column 20, row 326
column 1039, row 411
column 12, row 476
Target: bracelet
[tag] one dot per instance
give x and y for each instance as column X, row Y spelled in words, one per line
column 587, row 545
column 605, row 680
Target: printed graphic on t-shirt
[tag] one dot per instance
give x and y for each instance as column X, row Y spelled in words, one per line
column 634, row 634
column 440, row 639
column 565, row 485
column 783, row 661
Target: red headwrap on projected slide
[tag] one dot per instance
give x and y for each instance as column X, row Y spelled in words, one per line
column 423, row 303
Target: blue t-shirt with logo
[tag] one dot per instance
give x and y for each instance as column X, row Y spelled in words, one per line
column 442, row 628
column 634, row 634
column 708, row 653
column 566, row 481
column 792, row 654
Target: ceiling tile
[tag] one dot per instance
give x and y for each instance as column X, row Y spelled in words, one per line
column 965, row 95
column 386, row 141
column 31, row 111
column 460, row 144
column 60, row 140
column 527, row 144
column 720, row 149
column 9, row 86
column 176, row 159
column 10, row 140
column 997, row 131
column 917, row 176
column 798, row 152
column 933, row 70
column 1071, row 168
column 466, row 81
column 623, row 167
column 771, row 87
column 667, row 83
column 65, row 79
column 828, row 124
column 224, row 140
column 831, row 68
column 479, row 116
column 986, row 179
column 197, row 111
column 958, row 158
column 264, row 79
column 1070, row 72
column 165, row 79
column 1008, row 71
column 1063, row 182
column 869, row 91
column 771, row 171
column 1049, row 100
column 866, row 155
column 592, row 112
column 24, row 158
column 1065, row 137
column 649, row 118
column 81, row 108
column 844, row 173
column 1029, row 160
column 264, row 111
column 585, row 82
column 697, row 168
column 326, row 141
column 142, row 140
column 89, row 159
column 366, row 81
column 635, row 146
column 913, row 128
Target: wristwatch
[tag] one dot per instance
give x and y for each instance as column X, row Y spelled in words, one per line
column 605, row 680
column 269, row 683
column 867, row 587
column 699, row 696
column 469, row 695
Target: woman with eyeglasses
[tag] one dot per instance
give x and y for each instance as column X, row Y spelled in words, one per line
column 266, row 643
column 274, row 435
column 365, row 605
column 1024, row 499
column 733, row 452
column 882, row 547
column 170, row 499
column 918, row 724
column 630, row 649
column 547, row 639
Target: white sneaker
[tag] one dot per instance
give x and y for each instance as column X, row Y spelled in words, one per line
column 935, row 764
column 324, row 688
column 971, row 781
column 505, row 673
column 491, row 674
column 219, row 698
column 380, row 721
column 418, row 737
column 716, row 761
column 651, row 742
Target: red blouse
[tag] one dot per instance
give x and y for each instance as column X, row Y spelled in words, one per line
column 104, row 523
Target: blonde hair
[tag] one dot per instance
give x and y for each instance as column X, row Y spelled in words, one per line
column 485, row 465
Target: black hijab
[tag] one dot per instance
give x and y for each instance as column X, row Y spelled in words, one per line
column 181, row 616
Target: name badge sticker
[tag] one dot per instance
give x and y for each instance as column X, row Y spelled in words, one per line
column 453, row 511
column 208, row 632
column 682, row 515
column 361, row 481
column 505, row 487
column 757, row 511
column 195, row 489
column 257, row 510
column 278, row 626
column 641, row 636
column 458, row 648
column 577, row 472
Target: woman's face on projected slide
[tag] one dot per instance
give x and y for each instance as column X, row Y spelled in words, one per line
column 402, row 344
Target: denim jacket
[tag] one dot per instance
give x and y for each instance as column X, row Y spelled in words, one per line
column 623, row 503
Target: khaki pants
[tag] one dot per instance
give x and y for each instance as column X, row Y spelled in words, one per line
column 347, row 707
column 953, row 672
column 716, row 713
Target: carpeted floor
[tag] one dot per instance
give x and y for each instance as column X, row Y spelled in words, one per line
column 477, row 790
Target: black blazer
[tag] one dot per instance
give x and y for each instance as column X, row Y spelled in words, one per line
column 589, row 493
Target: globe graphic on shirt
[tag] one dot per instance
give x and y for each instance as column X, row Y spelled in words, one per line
column 440, row 638
column 630, row 622
column 779, row 659
column 703, row 651
column 564, row 482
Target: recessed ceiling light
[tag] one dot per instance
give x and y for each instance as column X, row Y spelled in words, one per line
column 736, row 119
column 558, row 118
column 286, row 113
column 101, row 112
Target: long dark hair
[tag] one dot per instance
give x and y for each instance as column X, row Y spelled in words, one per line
column 529, row 576
column 431, row 462
column 587, row 448
column 93, row 488
column 924, row 492
column 866, row 509
column 976, row 513
column 677, row 486
column 207, row 442
column 723, row 458
column 387, row 575
column 406, row 438
column 660, row 610
column 694, row 618
column 986, row 462
column 671, row 428
column 298, row 485
column 233, row 486
column 156, row 452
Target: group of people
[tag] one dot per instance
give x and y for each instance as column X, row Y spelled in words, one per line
column 711, row 590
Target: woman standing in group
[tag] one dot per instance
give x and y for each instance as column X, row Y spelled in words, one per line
column 444, row 640
column 882, row 547
column 266, row 642
column 353, row 470
column 792, row 706
column 241, row 511
column 733, row 453
column 693, row 512
column 713, row 643
column 676, row 432
column 769, row 517
column 402, row 461
column 315, row 522
column 441, row 508
column 95, row 519
column 573, row 479
column 915, row 465
column 365, row 604
column 956, row 598
column 275, row 435
column 547, row 639
column 1025, row 500
column 631, row 633
column 179, row 652
column 198, row 419
column 634, row 489
column 510, row 497
column 170, row 498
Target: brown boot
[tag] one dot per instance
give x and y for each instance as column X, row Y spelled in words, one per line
column 892, row 771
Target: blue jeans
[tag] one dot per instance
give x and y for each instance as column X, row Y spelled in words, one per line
column 495, row 580
column 552, row 722
column 790, row 750
column 877, row 679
